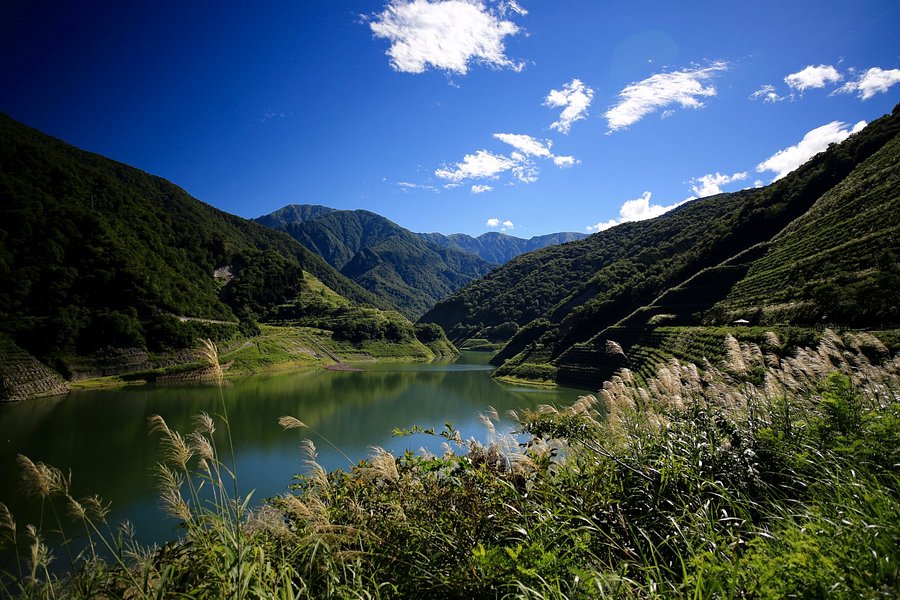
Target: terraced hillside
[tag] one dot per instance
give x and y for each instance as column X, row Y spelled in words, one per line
column 565, row 303
column 834, row 263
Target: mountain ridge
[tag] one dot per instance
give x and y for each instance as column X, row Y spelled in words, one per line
column 498, row 247
column 96, row 254
column 395, row 264
column 412, row 271
column 559, row 301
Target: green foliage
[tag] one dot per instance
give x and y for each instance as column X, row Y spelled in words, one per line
column 695, row 485
column 838, row 263
column 501, row 332
column 401, row 268
column 429, row 332
column 536, row 372
column 96, row 254
column 263, row 279
column 818, row 244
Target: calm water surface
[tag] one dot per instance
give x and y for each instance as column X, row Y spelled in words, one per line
column 101, row 436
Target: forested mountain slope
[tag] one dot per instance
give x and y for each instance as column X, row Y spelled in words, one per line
column 94, row 253
column 395, row 264
column 293, row 213
column 561, row 299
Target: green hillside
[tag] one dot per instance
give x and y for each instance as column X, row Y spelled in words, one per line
column 337, row 235
column 835, row 262
column 619, row 268
column 821, row 241
column 396, row 265
column 97, row 254
column 292, row 213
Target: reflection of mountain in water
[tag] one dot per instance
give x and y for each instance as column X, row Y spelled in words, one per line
column 102, row 435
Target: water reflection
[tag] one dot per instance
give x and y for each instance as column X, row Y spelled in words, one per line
column 101, row 436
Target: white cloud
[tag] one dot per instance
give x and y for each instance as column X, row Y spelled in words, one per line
column 520, row 162
column 495, row 223
column 406, row 185
column 565, row 161
column 446, row 35
column 638, row 209
column 575, row 98
column 526, row 172
column 602, row 226
column 526, row 144
column 482, row 164
column 871, row 82
column 812, row 77
column 513, row 6
column 784, row 161
column 480, row 189
column 684, row 88
column 767, row 93
column 711, row 184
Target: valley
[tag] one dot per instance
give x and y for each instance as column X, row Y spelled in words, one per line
column 695, row 358
column 450, row 299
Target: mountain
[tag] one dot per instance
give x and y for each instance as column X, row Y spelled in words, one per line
column 293, row 213
column 498, row 247
column 411, row 271
column 393, row 263
column 820, row 243
column 836, row 261
column 97, row 254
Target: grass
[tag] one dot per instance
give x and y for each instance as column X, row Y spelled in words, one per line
column 763, row 477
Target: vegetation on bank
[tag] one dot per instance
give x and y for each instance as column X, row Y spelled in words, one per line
column 317, row 327
column 760, row 477
column 283, row 347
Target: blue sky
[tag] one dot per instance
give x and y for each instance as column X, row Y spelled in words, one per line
column 532, row 117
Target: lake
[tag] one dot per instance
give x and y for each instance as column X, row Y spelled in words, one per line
column 101, row 435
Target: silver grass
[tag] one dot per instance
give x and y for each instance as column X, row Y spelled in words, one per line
column 38, row 552
column 201, row 446
column 204, row 423
column 42, row 480
column 289, row 422
column 487, row 423
column 95, row 507
column 6, row 520
column 383, row 465
column 210, row 352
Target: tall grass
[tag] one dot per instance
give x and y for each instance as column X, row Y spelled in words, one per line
column 761, row 477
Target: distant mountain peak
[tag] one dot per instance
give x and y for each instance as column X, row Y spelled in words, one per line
column 499, row 248
column 399, row 266
column 293, row 213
